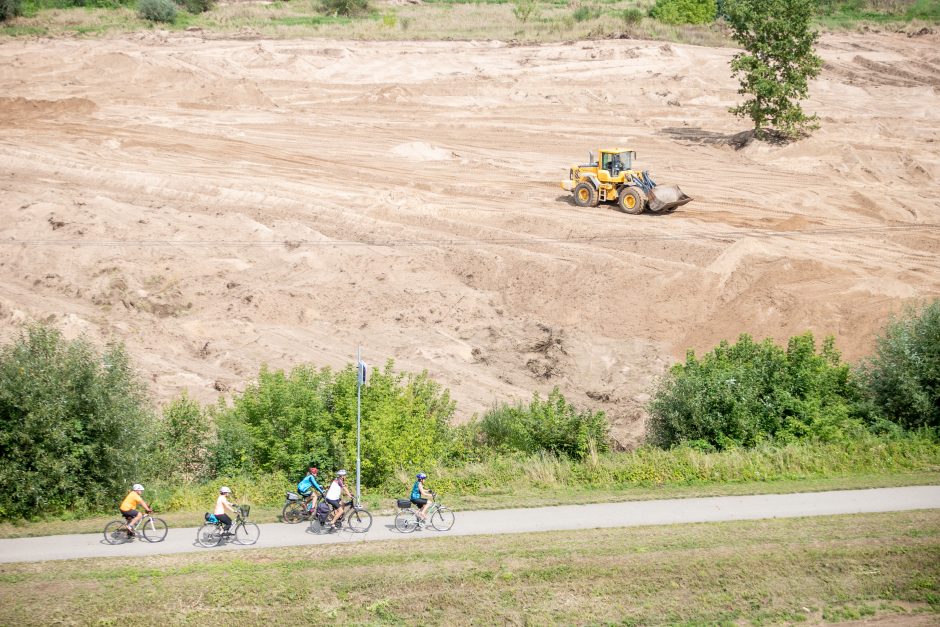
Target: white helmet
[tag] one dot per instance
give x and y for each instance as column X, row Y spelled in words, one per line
column 137, row 486
column 340, row 473
column 224, row 490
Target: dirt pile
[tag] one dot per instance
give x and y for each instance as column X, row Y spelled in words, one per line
column 220, row 204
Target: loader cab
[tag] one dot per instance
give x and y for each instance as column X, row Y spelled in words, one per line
column 616, row 160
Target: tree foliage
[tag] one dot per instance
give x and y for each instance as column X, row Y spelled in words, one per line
column 157, row 10
column 286, row 421
column 182, row 440
column 684, row 11
column 9, row 9
column 551, row 425
column 903, row 376
column 776, row 65
column 745, row 393
column 73, row 425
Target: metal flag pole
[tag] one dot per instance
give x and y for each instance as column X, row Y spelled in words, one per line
column 360, row 375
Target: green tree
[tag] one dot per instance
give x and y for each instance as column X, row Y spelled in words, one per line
column 74, row 425
column 9, row 9
column 903, row 376
column 742, row 394
column 184, row 439
column 285, row 421
column 777, row 63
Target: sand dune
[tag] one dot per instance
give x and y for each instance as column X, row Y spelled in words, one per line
column 221, row 204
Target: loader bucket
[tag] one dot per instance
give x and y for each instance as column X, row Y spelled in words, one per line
column 666, row 198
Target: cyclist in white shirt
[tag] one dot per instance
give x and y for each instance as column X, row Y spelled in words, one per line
column 221, row 505
column 334, row 493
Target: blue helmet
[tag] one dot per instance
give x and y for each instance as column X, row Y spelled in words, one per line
column 421, row 475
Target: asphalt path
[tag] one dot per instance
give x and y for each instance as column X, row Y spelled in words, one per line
column 535, row 519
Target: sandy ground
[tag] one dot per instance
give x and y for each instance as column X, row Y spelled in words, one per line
column 217, row 205
column 527, row 520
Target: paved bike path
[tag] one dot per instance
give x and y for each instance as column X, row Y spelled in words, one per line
column 565, row 517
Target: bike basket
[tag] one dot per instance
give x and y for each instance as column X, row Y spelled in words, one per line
column 404, row 503
column 243, row 510
column 293, row 497
column 211, row 519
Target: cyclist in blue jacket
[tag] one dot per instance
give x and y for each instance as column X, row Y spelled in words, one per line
column 307, row 486
column 421, row 497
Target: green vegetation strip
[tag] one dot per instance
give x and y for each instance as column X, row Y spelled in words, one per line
column 774, row 571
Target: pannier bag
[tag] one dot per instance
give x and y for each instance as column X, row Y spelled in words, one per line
column 404, row 503
column 323, row 510
column 211, row 519
column 293, row 497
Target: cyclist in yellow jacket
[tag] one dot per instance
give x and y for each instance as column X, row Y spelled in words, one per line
column 129, row 505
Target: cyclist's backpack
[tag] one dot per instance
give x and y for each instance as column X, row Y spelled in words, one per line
column 323, row 510
column 211, row 519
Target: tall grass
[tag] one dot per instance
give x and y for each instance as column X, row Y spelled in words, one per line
column 649, row 466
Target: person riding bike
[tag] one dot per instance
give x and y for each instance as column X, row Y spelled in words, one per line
column 421, row 497
column 129, row 505
column 221, row 505
column 337, row 488
column 307, row 486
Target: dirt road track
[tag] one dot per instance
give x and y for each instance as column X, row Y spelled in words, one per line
column 629, row 514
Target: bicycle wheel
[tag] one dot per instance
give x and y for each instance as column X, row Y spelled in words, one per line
column 442, row 519
column 406, row 521
column 154, row 529
column 247, row 533
column 115, row 532
column 359, row 520
column 293, row 512
column 209, row 535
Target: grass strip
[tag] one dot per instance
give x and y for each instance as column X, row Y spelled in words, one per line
column 770, row 571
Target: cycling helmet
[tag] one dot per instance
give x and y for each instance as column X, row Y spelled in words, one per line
column 137, row 486
column 224, row 490
column 340, row 473
column 421, row 475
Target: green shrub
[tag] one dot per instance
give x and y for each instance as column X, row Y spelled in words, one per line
column 778, row 61
column 157, row 10
column 552, row 425
column 197, row 6
column 74, row 425
column 524, row 10
column 10, row 9
column 183, row 440
column 684, row 11
column 284, row 422
column 903, row 376
column 586, row 12
column 348, row 8
column 746, row 393
column 632, row 16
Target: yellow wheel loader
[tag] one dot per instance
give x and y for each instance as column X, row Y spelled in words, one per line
column 612, row 178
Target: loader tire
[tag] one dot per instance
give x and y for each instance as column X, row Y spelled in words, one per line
column 585, row 195
column 631, row 201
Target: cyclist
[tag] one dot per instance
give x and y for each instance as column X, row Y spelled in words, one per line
column 333, row 495
column 307, row 486
column 129, row 505
column 421, row 497
column 221, row 505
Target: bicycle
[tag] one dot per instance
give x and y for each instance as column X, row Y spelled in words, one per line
column 297, row 508
column 356, row 518
column 213, row 532
column 440, row 516
column 153, row 529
